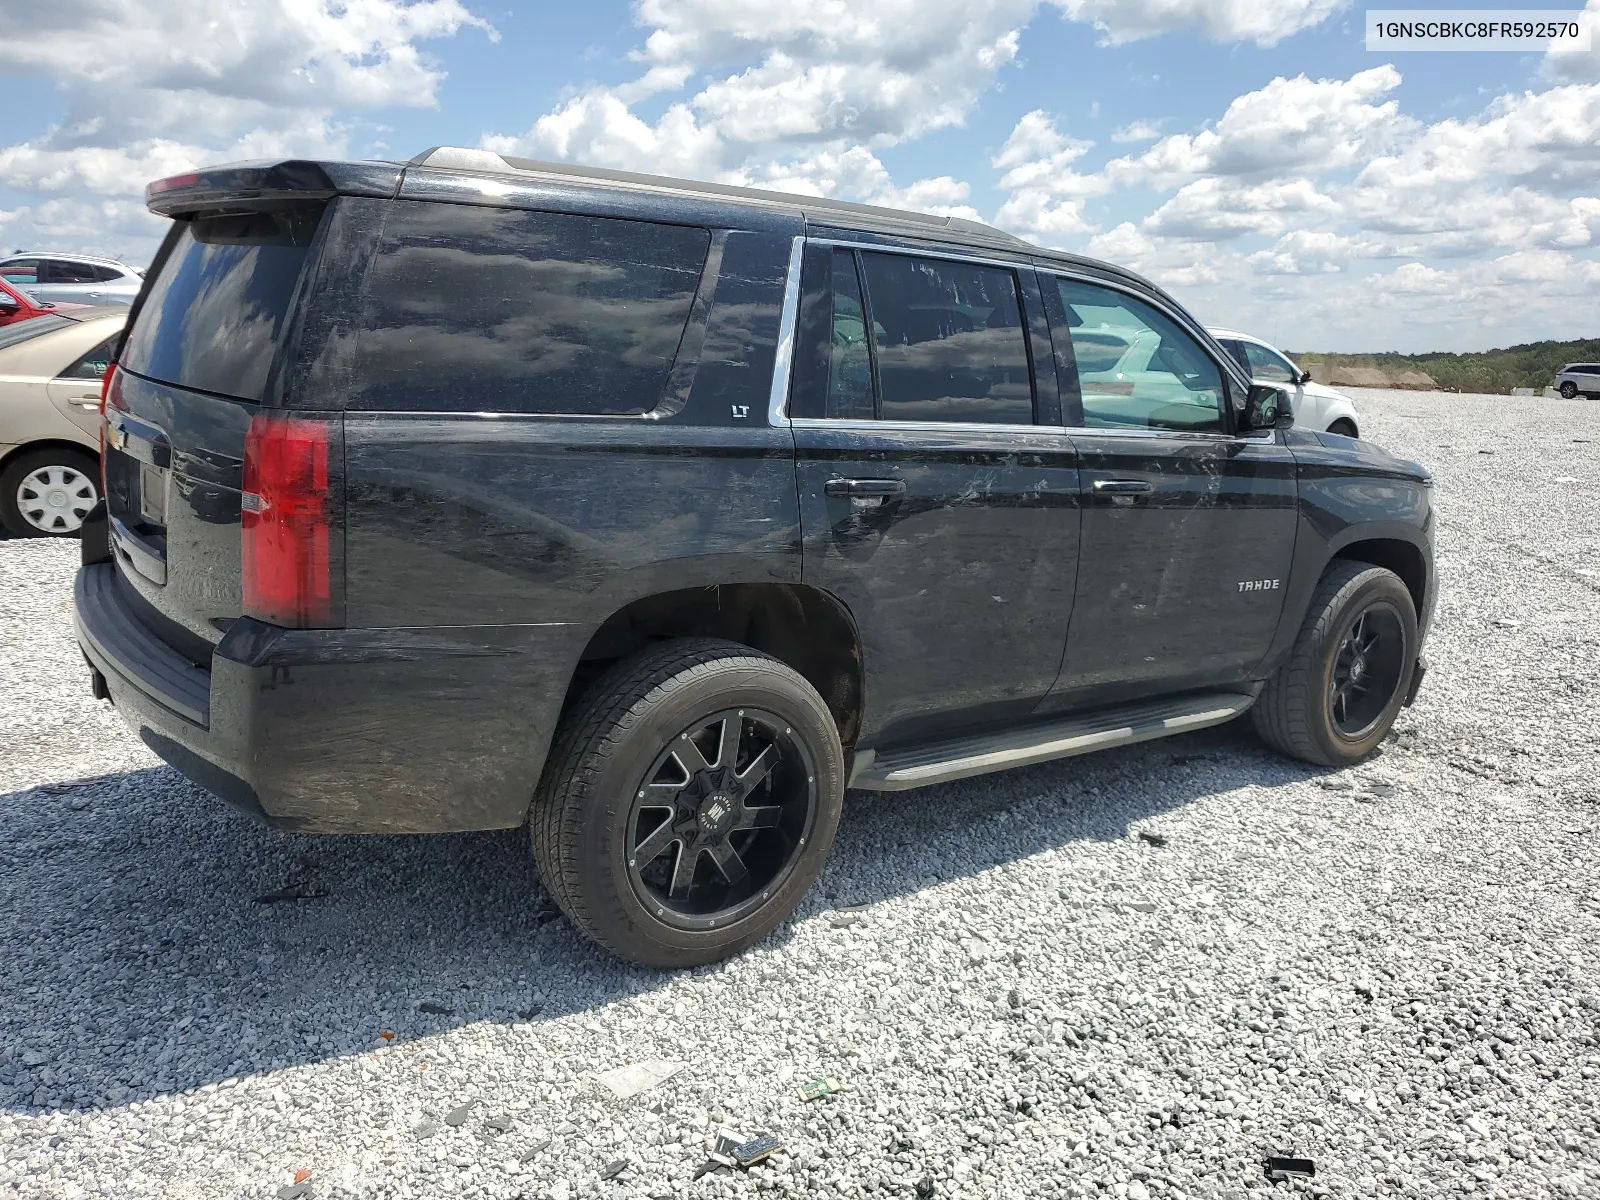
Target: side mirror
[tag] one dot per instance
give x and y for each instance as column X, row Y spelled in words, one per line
column 8, row 303
column 1305, row 377
column 1267, row 407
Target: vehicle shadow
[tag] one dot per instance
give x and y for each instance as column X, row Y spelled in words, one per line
column 143, row 959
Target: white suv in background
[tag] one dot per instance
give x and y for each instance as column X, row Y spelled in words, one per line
column 1576, row 378
column 72, row 278
column 1315, row 406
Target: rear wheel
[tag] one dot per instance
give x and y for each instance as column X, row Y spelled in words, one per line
column 48, row 492
column 689, row 802
column 1343, row 427
column 1569, row 389
column 1338, row 694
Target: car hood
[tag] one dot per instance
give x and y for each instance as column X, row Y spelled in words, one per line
column 1363, row 454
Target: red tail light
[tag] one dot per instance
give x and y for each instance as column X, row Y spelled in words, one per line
column 110, row 396
column 287, row 521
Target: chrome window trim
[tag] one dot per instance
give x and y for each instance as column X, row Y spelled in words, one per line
column 778, row 401
column 783, row 359
column 858, row 426
column 918, row 252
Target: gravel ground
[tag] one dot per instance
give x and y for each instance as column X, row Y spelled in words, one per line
column 1391, row 970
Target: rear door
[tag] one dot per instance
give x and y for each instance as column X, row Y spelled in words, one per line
column 933, row 503
column 1188, row 528
column 202, row 356
column 75, row 390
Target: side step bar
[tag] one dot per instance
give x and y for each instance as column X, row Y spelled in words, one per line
column 959, row 758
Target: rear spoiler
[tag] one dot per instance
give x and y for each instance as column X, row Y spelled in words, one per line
column 250, row 184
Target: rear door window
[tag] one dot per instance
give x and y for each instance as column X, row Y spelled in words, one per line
column 948, row 340
column 472, row 309
column 20, row 272
column 94, row 364
column 55, row 270
column 214, row 316
column 1137, row 368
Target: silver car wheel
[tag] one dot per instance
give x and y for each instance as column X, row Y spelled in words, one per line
column 56, row 499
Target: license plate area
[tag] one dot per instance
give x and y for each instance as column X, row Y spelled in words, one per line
column 152, row 498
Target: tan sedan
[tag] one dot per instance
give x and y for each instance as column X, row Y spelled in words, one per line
column 50, row 372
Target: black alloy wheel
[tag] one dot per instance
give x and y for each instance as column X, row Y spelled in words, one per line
column 1335, row 696
column 720, row 818
column 1367, row 670
column 688, row 802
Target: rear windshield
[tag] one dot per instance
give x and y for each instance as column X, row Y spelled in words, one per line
column 24, row 331
column 216, row 311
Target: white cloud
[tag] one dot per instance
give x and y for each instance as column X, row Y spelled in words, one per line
column 858, row 173
column 157, row 86
column 1264, row 22
column 1215, row 209
column 1047, row 196
column 1288, row 127
column 1137, row 131
column 1578, row 64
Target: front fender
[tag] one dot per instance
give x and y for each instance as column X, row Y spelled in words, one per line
column 1355, row 500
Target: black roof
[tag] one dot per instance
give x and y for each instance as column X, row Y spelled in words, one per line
column 447, row 172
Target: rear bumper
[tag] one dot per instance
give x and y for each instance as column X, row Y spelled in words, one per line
column 342, row 731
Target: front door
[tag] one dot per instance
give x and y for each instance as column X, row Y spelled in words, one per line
column 930, row 502
column 1188, row 529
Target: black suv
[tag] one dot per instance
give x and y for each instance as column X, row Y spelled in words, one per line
column 472, row 492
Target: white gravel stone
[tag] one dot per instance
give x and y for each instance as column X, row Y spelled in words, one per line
column 1390, row 970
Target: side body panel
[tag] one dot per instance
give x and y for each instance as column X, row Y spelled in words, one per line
column 1350, row 492
column 961, row 585
column 1160, row 606
column 521, row 534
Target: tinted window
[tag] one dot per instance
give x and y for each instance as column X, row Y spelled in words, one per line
column 849, row 391
column 23, row 331
column 93, row 364
column 108, row 274
column 216, row 312
column 499, row 310
column 1235, row 348
column 949, row 341
column 1136, row 366
column 1269, row 365
column 54, row 270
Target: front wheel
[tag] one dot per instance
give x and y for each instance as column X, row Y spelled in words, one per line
column 1343, row 428
column 1569, row 390
column 1339, row 692
column 689, row 802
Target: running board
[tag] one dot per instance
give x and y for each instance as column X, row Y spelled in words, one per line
column 959, row 758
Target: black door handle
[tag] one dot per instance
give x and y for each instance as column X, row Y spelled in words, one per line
column 1121, row 487
column 865, row 487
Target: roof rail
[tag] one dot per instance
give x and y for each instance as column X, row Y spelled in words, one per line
column 462, row 158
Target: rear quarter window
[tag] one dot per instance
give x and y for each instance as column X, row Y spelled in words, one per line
column 472, row 309
column 216, row 312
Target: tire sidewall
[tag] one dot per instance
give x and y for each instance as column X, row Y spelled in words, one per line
column 1375, row 588
column 1569, row 390
column 608, row 895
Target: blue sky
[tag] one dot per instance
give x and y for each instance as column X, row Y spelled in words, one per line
column 1251, row 155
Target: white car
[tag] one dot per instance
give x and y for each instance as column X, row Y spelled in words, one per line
column 72, row 278
column 51, row 368
column 1316, row 406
